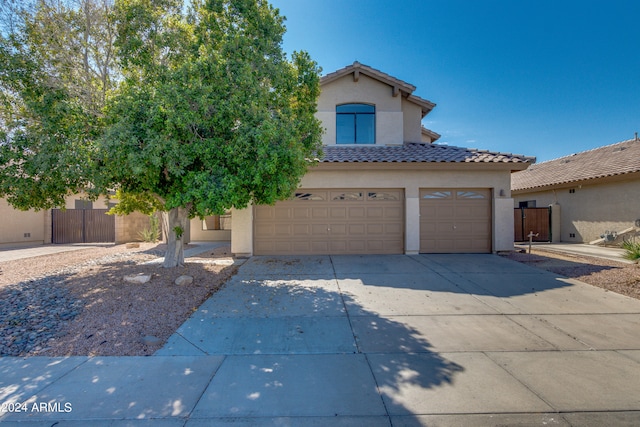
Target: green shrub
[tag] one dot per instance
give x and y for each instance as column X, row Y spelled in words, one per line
column 631, row 250
column 151, row 233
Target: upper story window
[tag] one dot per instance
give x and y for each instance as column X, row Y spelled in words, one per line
column 355, row 124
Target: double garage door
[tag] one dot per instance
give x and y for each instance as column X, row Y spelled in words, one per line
column 372, row 221
column 335, row 221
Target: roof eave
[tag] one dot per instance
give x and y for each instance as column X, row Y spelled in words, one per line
column 356, row 67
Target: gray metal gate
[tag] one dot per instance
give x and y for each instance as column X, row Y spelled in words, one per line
column 82, row 226
column 536, row 220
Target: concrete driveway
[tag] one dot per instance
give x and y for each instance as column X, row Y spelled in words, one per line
column 429, row 340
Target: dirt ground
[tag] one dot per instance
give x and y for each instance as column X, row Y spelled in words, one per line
column 118, row 318
column 619, row 277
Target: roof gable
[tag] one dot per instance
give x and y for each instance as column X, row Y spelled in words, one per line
column 398, row 86
column 610, row 160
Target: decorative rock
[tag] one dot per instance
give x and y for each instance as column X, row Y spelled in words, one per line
column 132, row 245
column 184, row 280
column 151, row 340
column 137, row 278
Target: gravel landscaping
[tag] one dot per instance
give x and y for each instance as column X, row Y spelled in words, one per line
column 620, row 277
column 77, row 303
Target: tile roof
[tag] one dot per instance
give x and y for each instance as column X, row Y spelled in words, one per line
column 610, row 160
column 416, row 153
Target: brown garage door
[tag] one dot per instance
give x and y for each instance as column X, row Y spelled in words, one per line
column 343, row 221
column 455, row 220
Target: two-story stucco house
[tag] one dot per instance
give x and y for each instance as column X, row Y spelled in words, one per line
column 382, row 185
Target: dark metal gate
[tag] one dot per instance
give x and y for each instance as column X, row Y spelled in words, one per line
column 536, row 220
column 82, row 226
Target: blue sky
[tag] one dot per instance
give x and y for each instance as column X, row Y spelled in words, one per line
column 543, row 78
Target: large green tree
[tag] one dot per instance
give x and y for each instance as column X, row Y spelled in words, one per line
column 56, row 71
column 191, row 111
column 211, row 115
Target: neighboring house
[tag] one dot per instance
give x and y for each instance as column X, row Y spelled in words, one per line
column 591, row 192
column 382, row 185
column 82, row 221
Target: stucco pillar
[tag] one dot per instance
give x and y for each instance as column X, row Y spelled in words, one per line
column 48, row 237
column 412, row 226
column 242, row 232
column 503, row 224
column 555, row 223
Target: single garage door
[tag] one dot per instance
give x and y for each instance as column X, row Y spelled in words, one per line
column 340, row 221
column 455, row 220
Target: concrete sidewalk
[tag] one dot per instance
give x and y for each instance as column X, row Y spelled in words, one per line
column 15, row 253
column 22, row 252
column 429, row 340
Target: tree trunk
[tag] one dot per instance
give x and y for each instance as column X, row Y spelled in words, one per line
column 174, row 223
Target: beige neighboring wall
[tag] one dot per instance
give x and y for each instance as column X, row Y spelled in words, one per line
column 20, row 227
column 410, row 180
column 590, row 209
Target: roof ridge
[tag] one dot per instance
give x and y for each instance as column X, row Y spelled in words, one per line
column 477, row 150
column 602, row 147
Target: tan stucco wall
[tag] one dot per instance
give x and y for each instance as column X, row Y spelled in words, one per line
column 198, row 234
column 592, row 208
column 411, row 181
column 412, row 116
column 15, row 224
column 389, row 118
column 70, row 201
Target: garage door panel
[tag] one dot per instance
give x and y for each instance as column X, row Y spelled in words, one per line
column 393, row 229
column 264, row 213
column 340, row 213
column 394, row 213
column 265, row 230
column 283, row 229
column 338, row 230
column 338, row 247
column 295, row 229
column 357, row 213
column 356, row 229
column 318, row 213
column 375, row 212
column 357, row 246
column 375, row 229
column 283, row 213
column 315, row 246
column 319, row 230
column 296, row 246
column 282, row 246
column 297, row 213
column 357, row 221
column 428, row 211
